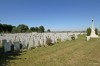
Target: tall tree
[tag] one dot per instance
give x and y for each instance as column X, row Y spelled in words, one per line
column 48, row 30
column 22, row 28
column 36, row 29
column 4, row 27
column 88, row 31
column 1, row 29
column 9, row 28
column 96, row 31
column 41, row 29
column 33, row 29
column 14, row 29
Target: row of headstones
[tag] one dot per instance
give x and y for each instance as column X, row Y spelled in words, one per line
column 16, row 42
column 9, row 46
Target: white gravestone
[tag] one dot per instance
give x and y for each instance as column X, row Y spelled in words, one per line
column 31, row 44
column 17, row 46
column 6, row 45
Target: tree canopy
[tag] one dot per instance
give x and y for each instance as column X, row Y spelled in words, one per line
column 48, row 30
column 39, row 29
column 21, row 28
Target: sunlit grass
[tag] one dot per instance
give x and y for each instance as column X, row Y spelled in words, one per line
column 70, row 53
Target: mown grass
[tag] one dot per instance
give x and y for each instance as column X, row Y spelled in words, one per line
column 70, row 53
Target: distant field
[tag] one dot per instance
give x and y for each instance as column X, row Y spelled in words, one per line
column 70, row 53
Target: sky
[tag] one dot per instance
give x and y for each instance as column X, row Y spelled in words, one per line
column 57, row 15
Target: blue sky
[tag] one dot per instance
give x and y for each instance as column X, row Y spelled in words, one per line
column 57, row 15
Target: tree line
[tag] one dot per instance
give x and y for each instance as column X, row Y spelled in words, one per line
column 21, row 28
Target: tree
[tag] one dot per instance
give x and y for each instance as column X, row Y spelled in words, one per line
column 96, row 31
column 36, row 29
column 4, row 27
column 14, row 29
column 33, row 29
column 9, row 28
column 1, row 29
column 48, row 30
column 41, row 29
column 88, row 31
column 22, row 28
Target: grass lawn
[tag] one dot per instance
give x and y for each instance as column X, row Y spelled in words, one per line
column 70, row 53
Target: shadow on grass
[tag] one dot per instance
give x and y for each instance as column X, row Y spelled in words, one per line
column 6, row 57
column 50, row 44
